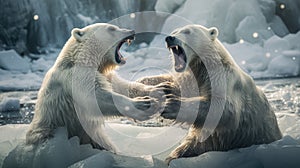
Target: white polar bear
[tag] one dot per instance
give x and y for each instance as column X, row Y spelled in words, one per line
column 80, row 78
column 225, row 95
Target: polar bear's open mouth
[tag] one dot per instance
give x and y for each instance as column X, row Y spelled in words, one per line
column 178, row 53
column 119, row 57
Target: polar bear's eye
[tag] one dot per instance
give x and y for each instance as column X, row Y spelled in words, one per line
column 112, row 28
column 186, row 31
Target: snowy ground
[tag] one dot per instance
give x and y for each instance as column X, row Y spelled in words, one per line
column 61, row 152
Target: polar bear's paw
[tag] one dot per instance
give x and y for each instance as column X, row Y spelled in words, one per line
column 38, row 136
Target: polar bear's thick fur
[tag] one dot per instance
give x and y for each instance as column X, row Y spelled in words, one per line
column 246, row 117
column 81, row 78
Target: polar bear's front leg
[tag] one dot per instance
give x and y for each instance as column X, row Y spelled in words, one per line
column 114, row 104
column 187, row 110
column 185, row 149
column 37, row 134
column 144, row 86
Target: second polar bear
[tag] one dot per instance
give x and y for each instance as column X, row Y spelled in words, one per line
column 225, row 108
column 76, row 92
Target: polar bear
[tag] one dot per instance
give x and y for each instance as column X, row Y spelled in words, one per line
column 80, row 79
column 241, row 111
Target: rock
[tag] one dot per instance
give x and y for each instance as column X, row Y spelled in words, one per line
column 10, row 60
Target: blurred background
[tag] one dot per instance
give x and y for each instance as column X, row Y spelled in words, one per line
column 30, row 26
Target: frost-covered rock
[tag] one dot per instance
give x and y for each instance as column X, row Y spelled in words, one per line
column 9, row 104
column 10, row 60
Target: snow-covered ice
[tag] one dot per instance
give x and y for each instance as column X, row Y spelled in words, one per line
column 62, row 152
column 12, row 61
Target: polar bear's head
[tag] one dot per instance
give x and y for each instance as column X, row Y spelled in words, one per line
column 191, row 43
column 100, row 43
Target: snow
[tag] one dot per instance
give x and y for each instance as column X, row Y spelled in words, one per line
column 41, row 65
column 60, row 151
column 282, row 153
column 10, row 60
column 17, row 81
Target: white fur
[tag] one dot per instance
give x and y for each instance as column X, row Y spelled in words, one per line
column 246, row 117
column 78, row 86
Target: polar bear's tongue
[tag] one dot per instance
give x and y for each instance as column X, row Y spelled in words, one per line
column 179, row 57
column 179, row 63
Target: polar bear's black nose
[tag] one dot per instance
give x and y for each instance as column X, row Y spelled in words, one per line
column 170, row 39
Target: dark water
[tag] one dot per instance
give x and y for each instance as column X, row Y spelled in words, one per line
column 283, row 94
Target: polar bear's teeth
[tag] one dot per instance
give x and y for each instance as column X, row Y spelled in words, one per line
column 128, row 42
column 176, row 47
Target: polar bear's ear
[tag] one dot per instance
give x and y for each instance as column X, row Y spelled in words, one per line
column 213, row 32
column 77, row 34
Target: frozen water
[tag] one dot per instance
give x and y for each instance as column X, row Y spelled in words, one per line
column 10, row 60
column 282, row 66
column 60, row 151
column 282, row 153
column 168, row 6
column 256, row 30
column 230, row 15
column 16, row 81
